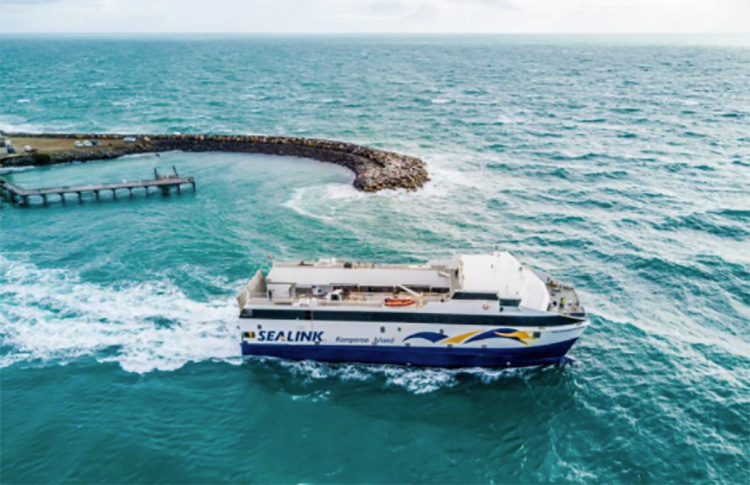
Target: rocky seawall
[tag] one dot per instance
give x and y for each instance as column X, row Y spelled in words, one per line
column 374, row 169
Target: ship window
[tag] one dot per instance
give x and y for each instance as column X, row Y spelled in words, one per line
column 466, row 295
column 260, row 327
column 502, row 320
column 382, row 329
column 537, row 334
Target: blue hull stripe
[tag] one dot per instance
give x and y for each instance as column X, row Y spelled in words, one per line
column 419, row 356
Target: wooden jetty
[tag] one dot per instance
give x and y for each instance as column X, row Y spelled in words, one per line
column 165, row 183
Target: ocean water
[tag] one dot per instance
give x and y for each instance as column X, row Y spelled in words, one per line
column 619, row 164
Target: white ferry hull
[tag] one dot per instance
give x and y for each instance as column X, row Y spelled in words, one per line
column 409, row 344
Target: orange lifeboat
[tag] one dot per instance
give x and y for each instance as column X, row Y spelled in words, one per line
column 399, row 301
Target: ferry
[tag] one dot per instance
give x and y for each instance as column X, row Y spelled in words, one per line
column 477, row 310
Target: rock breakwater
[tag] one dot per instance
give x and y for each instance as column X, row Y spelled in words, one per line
column 375, row 169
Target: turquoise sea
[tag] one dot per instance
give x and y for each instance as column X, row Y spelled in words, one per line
column 621, row 164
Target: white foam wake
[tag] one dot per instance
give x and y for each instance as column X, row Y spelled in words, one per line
column 52, row 315
column 416, row 380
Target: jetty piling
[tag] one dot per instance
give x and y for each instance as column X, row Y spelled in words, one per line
column 22, row 197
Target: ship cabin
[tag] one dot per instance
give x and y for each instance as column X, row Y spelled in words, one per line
column 490, row 277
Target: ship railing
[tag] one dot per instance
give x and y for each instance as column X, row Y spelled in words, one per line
column 358, row 300
column 351, row 265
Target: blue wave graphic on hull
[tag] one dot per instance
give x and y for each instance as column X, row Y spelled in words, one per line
column 509, row 333
column 431, row 336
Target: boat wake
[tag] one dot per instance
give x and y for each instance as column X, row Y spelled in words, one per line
column 416, row 380
column 52, row 316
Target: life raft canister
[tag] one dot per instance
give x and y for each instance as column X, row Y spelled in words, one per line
column 399, row 301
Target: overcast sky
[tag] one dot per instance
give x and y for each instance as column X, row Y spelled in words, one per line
column 305, row 16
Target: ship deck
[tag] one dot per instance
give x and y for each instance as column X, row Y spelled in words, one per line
column 336, row 284
column 362, row 299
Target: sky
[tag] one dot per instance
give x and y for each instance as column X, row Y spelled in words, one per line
column 365, row 16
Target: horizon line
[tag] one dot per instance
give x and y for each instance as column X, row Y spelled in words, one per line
column 378, row 33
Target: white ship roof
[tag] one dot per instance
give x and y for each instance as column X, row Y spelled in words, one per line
column 503, row 274
column 312, row 275
column 499, row 273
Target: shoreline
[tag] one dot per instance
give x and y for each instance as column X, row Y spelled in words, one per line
column 374, row 169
